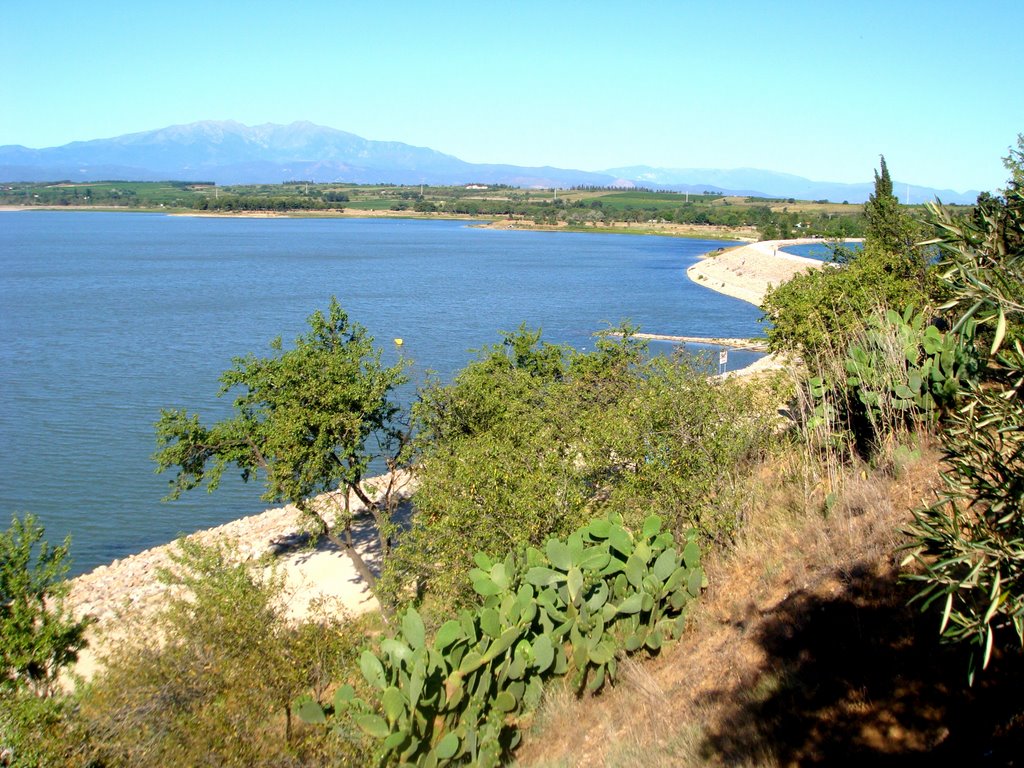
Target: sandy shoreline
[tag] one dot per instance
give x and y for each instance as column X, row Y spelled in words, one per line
column 748, row 271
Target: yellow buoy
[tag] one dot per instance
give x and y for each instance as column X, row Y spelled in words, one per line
column 399, row 342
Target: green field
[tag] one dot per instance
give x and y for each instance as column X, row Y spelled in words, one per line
column 659, row 200
column 153, row 194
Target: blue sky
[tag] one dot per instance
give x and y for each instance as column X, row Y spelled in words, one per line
column 818, row 89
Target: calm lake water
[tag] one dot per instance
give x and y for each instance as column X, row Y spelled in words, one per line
column 821, row 250
column 105, row 318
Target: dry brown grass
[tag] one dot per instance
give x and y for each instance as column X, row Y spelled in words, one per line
column 803, row 651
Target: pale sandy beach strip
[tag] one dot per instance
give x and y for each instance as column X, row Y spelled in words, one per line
column 746, row 272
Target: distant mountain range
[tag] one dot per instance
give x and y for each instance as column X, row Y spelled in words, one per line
column 227, row 152
column 758, row 183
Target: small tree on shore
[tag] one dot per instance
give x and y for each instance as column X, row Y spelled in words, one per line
column 38, row 637
column 303, row 421
column 816, row 314
column 892, row 233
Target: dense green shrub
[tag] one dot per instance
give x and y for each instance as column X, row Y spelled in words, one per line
column 969, row 543
column 210, row 681
column 43, row 732
column 531, row 441
column 818, row 313
column 40, row 638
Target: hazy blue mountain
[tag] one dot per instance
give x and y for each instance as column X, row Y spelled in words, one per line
column 760, row 183
column 228, row 152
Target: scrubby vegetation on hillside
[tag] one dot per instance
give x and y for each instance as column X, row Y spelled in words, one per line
column 574, row 508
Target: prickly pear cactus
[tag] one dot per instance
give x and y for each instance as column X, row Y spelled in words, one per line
column 924, row 380
column 575, row 607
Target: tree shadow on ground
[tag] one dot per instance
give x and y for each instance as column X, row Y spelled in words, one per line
column 300, row 545
column 860, row 678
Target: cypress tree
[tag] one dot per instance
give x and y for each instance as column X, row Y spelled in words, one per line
column 890, row 230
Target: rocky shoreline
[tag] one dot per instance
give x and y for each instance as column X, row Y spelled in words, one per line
column 130, row 588
column 130, row 583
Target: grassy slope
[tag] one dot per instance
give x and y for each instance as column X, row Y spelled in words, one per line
column 803, row 652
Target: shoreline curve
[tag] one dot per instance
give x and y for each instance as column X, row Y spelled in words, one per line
column 747, row 272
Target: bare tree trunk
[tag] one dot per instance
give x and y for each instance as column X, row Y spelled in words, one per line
column 346, row 544
column 382, row 512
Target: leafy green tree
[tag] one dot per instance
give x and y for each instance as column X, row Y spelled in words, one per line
column 892, row 235
column 882, row 210
column 489, row 389
column 817, row 313
column 306, row 421
column 38, row 636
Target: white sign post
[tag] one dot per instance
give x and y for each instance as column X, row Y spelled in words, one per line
column 723, row 359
